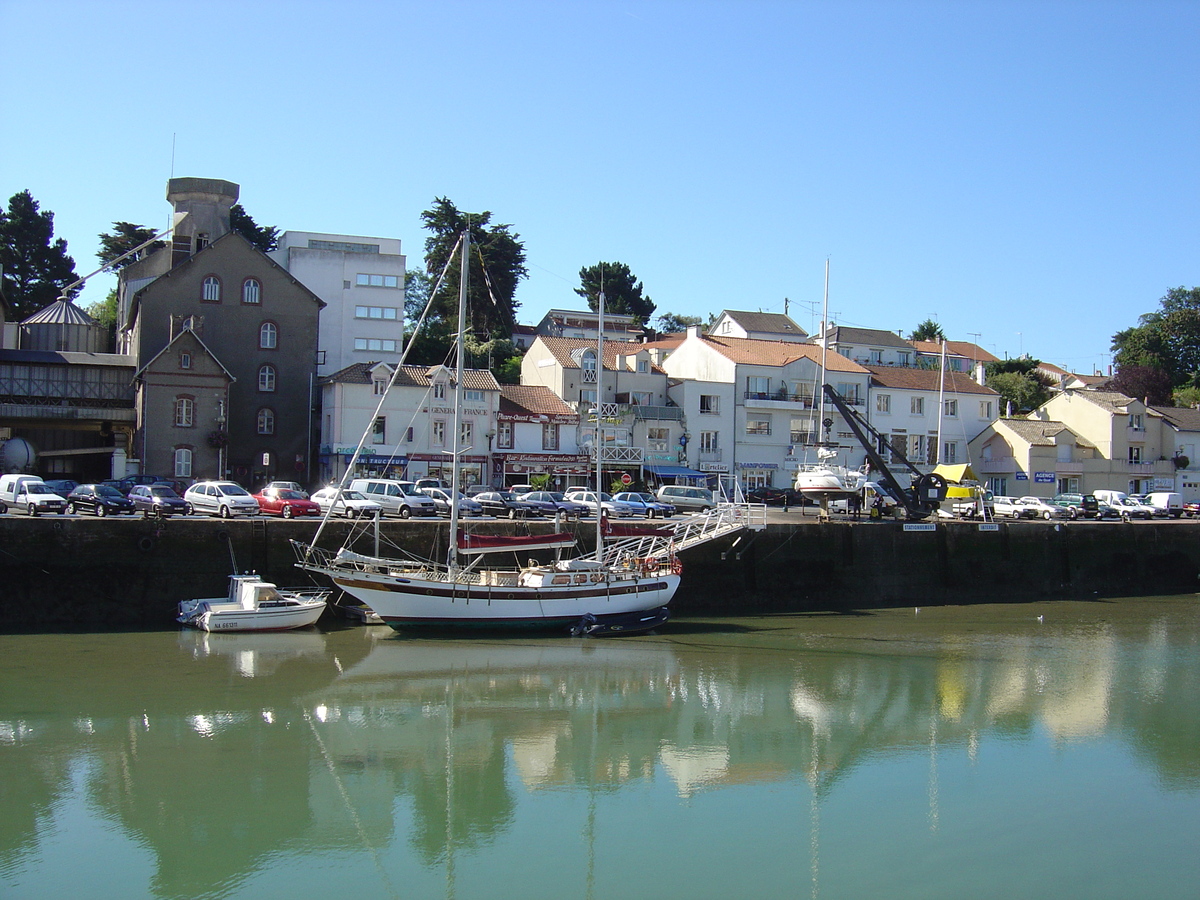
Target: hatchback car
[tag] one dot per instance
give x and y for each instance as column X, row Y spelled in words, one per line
column 286, row 502
column 348, row 504
column 608, row 505
column 220, row 498
column 553, row 503
column 99, row 500
column 646, row 504
column 1042, row 509
column 467, row 506
column 157, row 500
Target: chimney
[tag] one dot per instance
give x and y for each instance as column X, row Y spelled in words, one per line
column 693, row 331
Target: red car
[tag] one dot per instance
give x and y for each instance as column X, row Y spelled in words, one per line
column 285, row 502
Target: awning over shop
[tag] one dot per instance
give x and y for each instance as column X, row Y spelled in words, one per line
column 956, row 474
column 675, row 472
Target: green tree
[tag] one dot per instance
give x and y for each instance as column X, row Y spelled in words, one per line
column 1167, row 339
column 1018, row 382
column 624, row 295
column 105, row 311
column 264, row 237
column 36, row 265
column 929, row 330
column 669, row 323
column 417, row 287
column 125, row 237
column 497, row 266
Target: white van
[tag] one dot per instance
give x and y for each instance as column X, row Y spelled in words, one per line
column 397, row 498
column 30, row 494
column 1166, row 503
column 1114, row 498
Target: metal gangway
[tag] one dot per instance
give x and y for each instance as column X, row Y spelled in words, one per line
column 690, row 531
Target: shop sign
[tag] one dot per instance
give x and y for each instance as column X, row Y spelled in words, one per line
column 1021, row 476
column 714, row 467
column 1043, row 477
column 757, row 465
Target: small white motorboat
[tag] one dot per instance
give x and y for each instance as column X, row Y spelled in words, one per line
column 255, row 605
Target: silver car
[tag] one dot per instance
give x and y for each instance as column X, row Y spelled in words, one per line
column 220, row 498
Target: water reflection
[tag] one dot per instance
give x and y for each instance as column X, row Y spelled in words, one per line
column 224, row 754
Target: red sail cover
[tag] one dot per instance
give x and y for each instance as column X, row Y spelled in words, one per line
column 496, row 543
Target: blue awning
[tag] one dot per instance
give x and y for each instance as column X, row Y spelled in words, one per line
column 675, row 472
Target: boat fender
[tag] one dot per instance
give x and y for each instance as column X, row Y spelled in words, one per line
column 676, row 565
column 650, row 565
column 145, row 543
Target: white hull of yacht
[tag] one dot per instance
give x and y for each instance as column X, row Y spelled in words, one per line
column 829, row 481
column 555, row 597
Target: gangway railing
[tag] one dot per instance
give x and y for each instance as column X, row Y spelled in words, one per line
column 691, row 531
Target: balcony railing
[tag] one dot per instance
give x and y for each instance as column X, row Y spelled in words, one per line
column 658, row 413
column 804, row 401
column 1068, row 468
column 710, row 455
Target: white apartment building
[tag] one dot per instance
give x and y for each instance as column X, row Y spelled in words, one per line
column 361, row 280
column 412, row 434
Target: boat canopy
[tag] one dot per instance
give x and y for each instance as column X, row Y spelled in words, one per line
column 501, row 543
column 956, row 474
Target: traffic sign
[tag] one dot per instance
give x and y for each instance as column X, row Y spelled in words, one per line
column 626, row 478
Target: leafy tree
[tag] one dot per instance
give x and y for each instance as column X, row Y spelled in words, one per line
column 928, row 330
column 624, row 295
column 669, row 323
column 124, row 237
column 1148, row 383
column 1019, row 382
column 36, row 265
column 1167, row 339
column 418, row 284
column 264, row 237
column 497, row 259
column 105, row 311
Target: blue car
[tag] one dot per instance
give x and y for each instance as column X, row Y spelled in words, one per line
column 646, row 503
column 551, row 503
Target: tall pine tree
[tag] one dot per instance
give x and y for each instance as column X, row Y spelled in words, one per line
column 36, row 265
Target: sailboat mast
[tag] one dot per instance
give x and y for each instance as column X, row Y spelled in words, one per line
column 599, row 404
column 460, row 341
column 824, row 353
column 937, row 453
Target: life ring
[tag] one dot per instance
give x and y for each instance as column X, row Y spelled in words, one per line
column 676, row 566
column 146, row 543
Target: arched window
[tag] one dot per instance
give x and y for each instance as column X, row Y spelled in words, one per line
column 268, row 334
column 266, row 379
column 212, row 289
column 588, row 364
column 251, row 291
column 185, row 412
column 266, row 421
column 183, row 462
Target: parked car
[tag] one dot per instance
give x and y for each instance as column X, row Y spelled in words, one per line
column 552, row 503
column 1106, row 510
column 220, row 498
column 98, row 499
column 1042, row 509
column 646, row 504
column 467, row 506
column 61, row 486
column 1166, row 503
column 348, row 504
column 505, row 504
column 288, row 486
column 686, row 499
column 423, row 483
column 608, row 505
column 1077, row 505
column 157, row 500
column 29, row 493
column 1133, row 509
column 286, row 502
column 980, row 506
column 1011, row 508
column 770, row 496
column 398, row 498
column 1191, row 510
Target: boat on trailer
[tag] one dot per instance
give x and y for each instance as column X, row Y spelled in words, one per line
column 255, row 605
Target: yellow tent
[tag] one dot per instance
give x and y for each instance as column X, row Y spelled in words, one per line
column 957, row 474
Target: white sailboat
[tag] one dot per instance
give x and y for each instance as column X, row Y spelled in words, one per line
column 827, row 479
column 624, row 586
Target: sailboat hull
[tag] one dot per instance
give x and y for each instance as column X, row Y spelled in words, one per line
column 406, row 602
column 829, row 481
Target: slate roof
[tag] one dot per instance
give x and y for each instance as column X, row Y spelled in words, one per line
column 1180, row 418
column 411, row 376
column 771, row 323
column 906, row 379
column 875, row 337
column 1112, row 401
column 531, row 400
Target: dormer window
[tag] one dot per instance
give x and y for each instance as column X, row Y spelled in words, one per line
column 439, row 390
column 588, row 366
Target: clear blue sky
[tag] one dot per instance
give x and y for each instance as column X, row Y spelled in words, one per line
column 1027, row 173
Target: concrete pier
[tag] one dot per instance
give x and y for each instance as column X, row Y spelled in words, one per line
column 65, row 573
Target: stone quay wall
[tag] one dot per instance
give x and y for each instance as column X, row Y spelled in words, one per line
column 75, row 574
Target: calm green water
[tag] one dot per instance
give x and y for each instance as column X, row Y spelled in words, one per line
column 956, row 752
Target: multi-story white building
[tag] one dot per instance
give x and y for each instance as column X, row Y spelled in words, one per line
column 412, row 434
column 537, row 434
column 758, row 326
column 361, row 281
column 867, row 346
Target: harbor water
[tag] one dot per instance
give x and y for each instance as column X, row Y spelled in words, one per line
column 990, row 751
